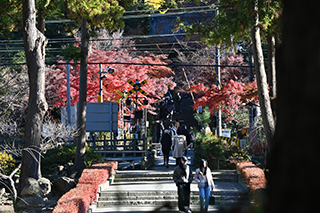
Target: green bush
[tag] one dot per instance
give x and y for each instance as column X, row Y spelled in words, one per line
column 214, row 150
column 208, row 147
column 62, row 156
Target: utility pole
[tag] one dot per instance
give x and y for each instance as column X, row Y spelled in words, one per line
column 252, row 109
column 109, row 70
column 218, row 80
column 68, row 96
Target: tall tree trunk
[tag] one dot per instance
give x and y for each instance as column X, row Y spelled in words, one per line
column 34, row 47
column 41, row 20
column 272, row 66
column 294, row 179
column 81, row 143
column 265, row 105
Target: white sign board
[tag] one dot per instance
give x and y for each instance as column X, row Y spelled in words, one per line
column 102, row 117
column 243, row 143
column 226, row 133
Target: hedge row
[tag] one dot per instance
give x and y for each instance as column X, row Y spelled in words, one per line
column 253, row 175
column 80, row 198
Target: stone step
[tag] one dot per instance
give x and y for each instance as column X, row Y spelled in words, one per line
column 115, row 198
column 141, row 179
column 194, row 200
column 223, row 176
column 146, row 173
column 170, row 197
column 106, row 194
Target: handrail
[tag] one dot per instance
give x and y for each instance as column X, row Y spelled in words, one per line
column 115, row 146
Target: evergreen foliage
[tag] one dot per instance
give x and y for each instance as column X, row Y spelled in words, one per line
column 66, row 154
column 213, row 149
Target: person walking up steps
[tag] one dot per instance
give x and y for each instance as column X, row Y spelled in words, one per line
column 182, row 176
column 204, row 179
column 183, row 130
column 166, row 143
column 179, row 145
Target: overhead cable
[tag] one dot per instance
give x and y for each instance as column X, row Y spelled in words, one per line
column 140, row 64
column 166, row 14
column 171, row 9
column 54, row 41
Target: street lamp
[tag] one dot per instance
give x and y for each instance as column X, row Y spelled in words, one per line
column 109, row 70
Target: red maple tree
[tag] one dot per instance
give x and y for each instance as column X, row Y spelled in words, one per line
column 235, row 91
column 229, row 98
column 157, row 77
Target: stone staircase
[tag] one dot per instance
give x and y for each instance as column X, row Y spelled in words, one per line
column 153, row 188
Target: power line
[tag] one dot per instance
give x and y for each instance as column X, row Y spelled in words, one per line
column 167, row 14
column 140, row 64
column 54, row 41
column 122, row 46
column 170, row 9
column 152, row 14
column 130, row 17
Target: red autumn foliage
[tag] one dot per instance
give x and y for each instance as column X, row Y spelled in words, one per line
column 259, row 148
column 158, row 77
column 234, row 73
column 80, row 198
column 206, row 75
column 228, row 98
column 235, row 91
column 253, row 175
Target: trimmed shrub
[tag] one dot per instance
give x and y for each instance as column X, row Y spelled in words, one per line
column 80, row 198
column 253, row 175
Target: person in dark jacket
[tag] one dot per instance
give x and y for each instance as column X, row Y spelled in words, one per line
column 166, row 143
column 182, row 176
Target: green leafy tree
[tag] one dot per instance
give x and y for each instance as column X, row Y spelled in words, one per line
column 243, row 21
column 10, row 16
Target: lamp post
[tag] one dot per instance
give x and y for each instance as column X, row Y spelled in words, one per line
column 109, row 70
